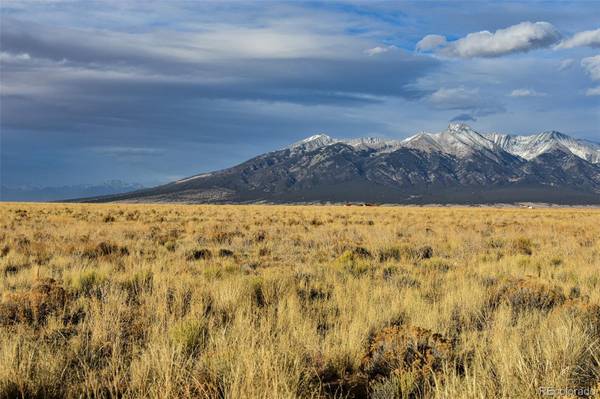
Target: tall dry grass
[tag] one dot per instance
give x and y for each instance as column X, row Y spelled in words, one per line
column 297, row 301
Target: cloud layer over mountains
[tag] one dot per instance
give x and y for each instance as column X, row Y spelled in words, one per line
column 192, row 86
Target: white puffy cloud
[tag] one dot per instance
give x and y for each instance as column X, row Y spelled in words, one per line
column 589, row 38
column 522, row 37
column 376, row 50
column 595, row 91
column 592, row 66
column 431, row 42
column 379, row 50
column 526, row 93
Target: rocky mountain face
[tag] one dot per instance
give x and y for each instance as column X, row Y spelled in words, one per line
column 458, row 165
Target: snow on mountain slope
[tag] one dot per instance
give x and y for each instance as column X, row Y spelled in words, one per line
column 363, row 143
column 374, row 143
column 529, row 147
column 313, row 142
column 461, row 140
column 424, row 142
column 457, row 165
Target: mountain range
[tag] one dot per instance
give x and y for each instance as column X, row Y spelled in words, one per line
column 57, row 193
column 457, row 165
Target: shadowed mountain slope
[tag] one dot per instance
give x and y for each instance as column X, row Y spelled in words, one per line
column 458, row 165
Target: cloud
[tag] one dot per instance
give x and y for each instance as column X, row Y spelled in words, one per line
column 430, row 42
column 461, row 98
column 595, row 91
column 526, row 93
column 592, row 66
column 590, row 38
column 216, row 83
column 273, row 66
column 127, row 152
column 518, row 38
column 141, row 81
column 212, row 41
column 454, row 98
column 172, row 87
column 463, row 118
column 566, row 64
column 376, row 50
column 8, row 57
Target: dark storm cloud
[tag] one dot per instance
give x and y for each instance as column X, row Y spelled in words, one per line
column 465, row 99
column 63, row 78
column 463, row 118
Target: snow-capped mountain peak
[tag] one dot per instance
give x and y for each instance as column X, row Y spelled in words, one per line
column 362, row 143
column 313, row 142
column 461, row 140
column 459, row 127
column 529, row 147
column 368, row 141
column 320, row 138
column 317, row 137
column 374, row 143
column 422, row 141
column 466, row 135
column 457, row 165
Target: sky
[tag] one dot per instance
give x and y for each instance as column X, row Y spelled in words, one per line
column 152, row 91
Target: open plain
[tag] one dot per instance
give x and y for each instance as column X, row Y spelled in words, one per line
column 176, row 301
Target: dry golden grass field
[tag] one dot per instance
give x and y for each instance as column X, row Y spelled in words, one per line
column 166, row 301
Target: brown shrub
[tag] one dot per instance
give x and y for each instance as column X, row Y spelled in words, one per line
column 225, row 253
column 260, row 236
column 407, row 351
column 391, row 253
column 587, row 313
column 523, row 246
column 435, row 264
column 360, row 252
column 313, row 294
column 264, row 251
column 355, row 262
column 21, row 243
column 15, row 265
column 167, row 238
column 33, row 306
column 406, row 252
column 316, row 222
column 198, row 254
column 414, row 355
column 424, row 252
column 104, row 249
column 495, row 243
column 4, row 251
column 223, row 237
column 344, row 383
column 527, row 294
column 132, row 216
